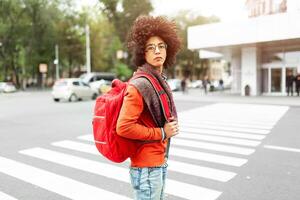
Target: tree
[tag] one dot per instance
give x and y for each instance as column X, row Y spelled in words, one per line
column 186, row 58
column 71, row 41
column 11, row 30
column 122, row 15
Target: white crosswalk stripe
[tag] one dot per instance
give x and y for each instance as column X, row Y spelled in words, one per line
column 206, row 135
column 115, row 172
column 218, row 122
column 225, row 128
column 209, row 157
column 195, row 170
column 197, row 144
column 55, row 183
column 222, row 133
column 220, row 139
column 4, row 196
column 213, row 146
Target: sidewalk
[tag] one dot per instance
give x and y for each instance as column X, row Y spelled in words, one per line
column 226, row 96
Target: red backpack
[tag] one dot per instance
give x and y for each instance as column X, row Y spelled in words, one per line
column 106, row 113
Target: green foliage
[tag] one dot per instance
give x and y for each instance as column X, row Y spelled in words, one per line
column 30, row 29
column 122, row 13
column 186, row 58
column 123, row 71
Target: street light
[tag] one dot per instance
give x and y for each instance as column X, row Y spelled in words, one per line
column 88, row 49
column 56, row 62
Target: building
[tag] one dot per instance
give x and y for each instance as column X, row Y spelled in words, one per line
column 261, row 50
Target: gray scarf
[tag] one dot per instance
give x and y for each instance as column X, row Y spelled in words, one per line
column 150, row 96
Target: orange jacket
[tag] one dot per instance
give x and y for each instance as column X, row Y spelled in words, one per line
column 135, row 122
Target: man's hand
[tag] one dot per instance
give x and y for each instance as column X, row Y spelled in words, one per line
column 171, row 128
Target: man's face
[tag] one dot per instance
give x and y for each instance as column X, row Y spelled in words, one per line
column 155, row 51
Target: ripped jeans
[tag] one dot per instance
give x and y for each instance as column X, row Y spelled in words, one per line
column 148, row 182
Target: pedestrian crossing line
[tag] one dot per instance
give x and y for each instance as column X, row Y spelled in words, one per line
column 209, row 157
column 108, row 170
column 224, row 128
column 282, row 148
column 226, row 124
column 94, row 167
column 204, row 172
column 194, row 170
column 242, row 142
column 228, row 120
column 242, row 115
column 226, row 160
column 117, row 173
column 263, row 113
column 190, row 169
column 197, row 144
column 4, row 196
column 55, row 183
column 213, row 146
column 224, row 133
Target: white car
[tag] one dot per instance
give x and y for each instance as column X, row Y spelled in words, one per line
column 89, row 78
column 101, row 86
column 7, row 87
column 72, row 89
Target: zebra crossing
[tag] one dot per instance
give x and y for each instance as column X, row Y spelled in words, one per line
column 221, row 134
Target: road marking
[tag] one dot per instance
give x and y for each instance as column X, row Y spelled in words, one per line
column 227, row 124
column 55, row 183
column 4, row 196
column 205, row 172
column 95, row 167
column 224, row 128
column 227, row 120
column 227, row 160
column 109, row 170
column 238, row 113
column 221, row 139
column 118, row 173
column 282, row 148
column 214, row 147
column 201, row 171
column 223, row 133
column 196, row 144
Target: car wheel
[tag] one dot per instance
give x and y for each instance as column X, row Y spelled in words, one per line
column 56, row 99
column 94, row 96
column 73, row 98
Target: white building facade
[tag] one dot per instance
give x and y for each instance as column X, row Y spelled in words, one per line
column 261, row 49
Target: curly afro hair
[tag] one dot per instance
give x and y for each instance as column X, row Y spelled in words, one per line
column 145, row 27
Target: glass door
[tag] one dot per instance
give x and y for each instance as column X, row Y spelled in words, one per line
column 276, row 80
column 265, row 80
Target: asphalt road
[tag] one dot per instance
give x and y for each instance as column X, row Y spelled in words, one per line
column 224, row 152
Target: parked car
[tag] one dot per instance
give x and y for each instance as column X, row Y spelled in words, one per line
column 175, row 84
column 97, row 76
column 7, row 87
column 72, row 89
column 102, row 86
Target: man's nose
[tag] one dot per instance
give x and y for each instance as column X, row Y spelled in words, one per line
column 156, row 50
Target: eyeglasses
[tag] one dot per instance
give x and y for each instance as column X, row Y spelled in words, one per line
column 152, row 47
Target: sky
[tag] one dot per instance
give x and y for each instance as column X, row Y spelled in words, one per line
column 226, row 10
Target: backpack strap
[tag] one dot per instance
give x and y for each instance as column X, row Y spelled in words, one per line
column 163, row 98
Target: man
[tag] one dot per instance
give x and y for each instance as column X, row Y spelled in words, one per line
column 154, row 43
column 297, row 80
column 289, row 83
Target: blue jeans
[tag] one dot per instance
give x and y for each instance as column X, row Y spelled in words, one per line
column 148, row 182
